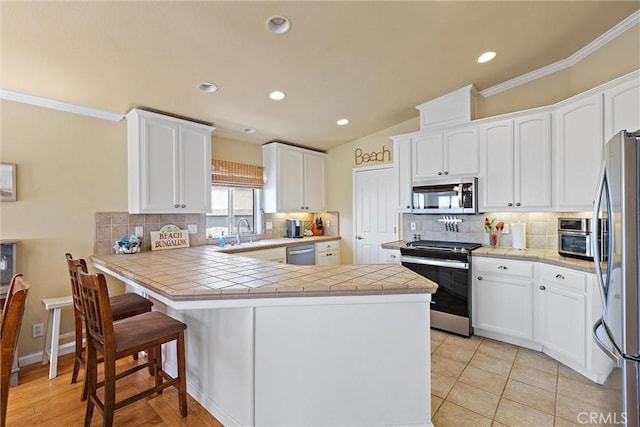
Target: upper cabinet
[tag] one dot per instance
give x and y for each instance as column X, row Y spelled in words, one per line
column 452, row 152
column 169, row 164
column 516, row 163
column 578, row 151
column 402, row 169
column 622, row 107
column 295, row 179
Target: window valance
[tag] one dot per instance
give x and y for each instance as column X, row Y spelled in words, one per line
column 236, row 174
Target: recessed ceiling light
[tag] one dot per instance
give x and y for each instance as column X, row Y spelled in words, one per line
column 486, row 57
column 278, row 24
column 249, row 131
column 207, row 87
column 343, row 122
column 276, row 95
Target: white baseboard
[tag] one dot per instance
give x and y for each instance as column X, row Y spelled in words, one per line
column 30, row 359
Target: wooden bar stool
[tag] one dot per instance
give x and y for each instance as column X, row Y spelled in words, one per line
column 122, row 307
column 10, row 322
column 115, row 340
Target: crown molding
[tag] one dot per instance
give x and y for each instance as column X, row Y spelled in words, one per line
column 11, row 95
column 611, row 34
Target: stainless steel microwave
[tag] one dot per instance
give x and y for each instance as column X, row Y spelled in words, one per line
column 455, row 196
column 575, row 237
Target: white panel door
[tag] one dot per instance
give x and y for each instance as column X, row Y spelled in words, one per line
column 427, row 156
column 496, row 181
column 461, row 152
column 160, row 168
column 195, row 182
column 375, row 198
column 532, row 169
column 314, row 183
column 290, row 180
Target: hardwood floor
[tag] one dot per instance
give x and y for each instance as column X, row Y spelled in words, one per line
column 39, row 401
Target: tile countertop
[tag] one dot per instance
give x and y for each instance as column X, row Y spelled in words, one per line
column 272, row 243
column 204, row 273
column 540, row 255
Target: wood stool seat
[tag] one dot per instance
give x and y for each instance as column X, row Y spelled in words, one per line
column 122, row 307
column 115, row 340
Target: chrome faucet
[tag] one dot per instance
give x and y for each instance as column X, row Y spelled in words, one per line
column 239, row 234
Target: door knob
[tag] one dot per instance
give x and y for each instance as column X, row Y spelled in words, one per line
column 359, row 238
column 542, row 288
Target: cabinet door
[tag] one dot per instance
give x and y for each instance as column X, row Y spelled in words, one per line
column 503, row 306
column 195, row 170
column 427, row 156
column 532, row 154
column 461, row 151
column 579, row 144
column 327, row 258
column 159, row 166
column 496, row 181
column 314, row 183
column 402, row 165
column 290, row 181
column 561, row 323
column 622, row 108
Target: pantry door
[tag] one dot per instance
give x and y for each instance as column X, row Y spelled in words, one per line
column 375, row 195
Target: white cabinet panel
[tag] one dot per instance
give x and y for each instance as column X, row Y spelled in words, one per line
column 461, row 151
column 295, row 179
column 427, row 153
column 402, row 168
column 169, row 164
column 622, row 107
column 328, row 253
column 578, row 152
column 496, row 182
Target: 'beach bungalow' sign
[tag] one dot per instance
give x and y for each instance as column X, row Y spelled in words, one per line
column 169, row 237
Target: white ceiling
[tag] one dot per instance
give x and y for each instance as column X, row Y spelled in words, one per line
column 369, row 61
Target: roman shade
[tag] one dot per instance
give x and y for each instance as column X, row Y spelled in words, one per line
column 234, row 174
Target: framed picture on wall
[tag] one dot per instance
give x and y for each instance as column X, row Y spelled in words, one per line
column 7, row 182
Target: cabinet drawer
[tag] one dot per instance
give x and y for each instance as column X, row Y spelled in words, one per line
column 501, row 267
column 328, row 246
column 563, row 277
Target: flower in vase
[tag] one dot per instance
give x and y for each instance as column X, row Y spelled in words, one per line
column 493, row 230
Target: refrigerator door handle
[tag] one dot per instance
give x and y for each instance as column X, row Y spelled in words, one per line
column 594, row 242
column 613, row 354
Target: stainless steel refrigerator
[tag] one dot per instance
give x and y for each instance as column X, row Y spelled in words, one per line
column 617, row 271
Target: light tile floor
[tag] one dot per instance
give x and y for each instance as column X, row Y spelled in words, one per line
column 481, row 382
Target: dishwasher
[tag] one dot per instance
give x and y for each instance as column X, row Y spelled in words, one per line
column 302, row 255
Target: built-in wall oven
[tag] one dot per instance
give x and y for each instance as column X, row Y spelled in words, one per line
column 449, row 265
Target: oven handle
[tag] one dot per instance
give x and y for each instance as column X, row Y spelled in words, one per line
column 435, row 262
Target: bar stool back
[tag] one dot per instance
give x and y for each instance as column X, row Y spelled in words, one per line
column 115, row 340
column 122, row 306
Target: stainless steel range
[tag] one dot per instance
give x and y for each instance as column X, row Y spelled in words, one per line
column 449, row 265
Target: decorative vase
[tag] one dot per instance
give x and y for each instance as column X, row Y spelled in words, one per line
column 494, row 238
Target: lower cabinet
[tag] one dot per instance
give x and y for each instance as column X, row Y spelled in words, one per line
column 390, row 256
column 543, row 307
column 272, row 254
column 328, row 253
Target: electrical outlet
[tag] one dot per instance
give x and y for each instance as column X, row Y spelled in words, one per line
column 139, row 231
column 413, row 225
column 328, row 223
column 37, row 330
column 193, row 228
column 269, row 225
column 505, row 230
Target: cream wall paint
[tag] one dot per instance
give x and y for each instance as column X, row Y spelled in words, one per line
column 235, row 151
column 69, row 167
column 340, row 163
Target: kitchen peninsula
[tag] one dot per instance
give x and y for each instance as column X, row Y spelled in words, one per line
column 278, row 344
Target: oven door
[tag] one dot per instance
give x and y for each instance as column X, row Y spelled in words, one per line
column 452, row 277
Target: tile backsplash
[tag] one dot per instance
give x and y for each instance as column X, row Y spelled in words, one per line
column 112, row 226
column 541, row 227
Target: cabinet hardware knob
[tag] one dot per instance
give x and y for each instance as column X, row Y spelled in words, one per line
column 542, row 288
column 446, row 172
column 559, row 276
column 176, row 206
column 509, row 204
column 439, row 173
column 502, row 267
column 408, row 207
column 479, row 277
column 301, row 207
column 517, row 203
column 183, row 206
column 433, row 302
column 392, row 256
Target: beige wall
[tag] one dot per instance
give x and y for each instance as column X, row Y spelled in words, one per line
column 69, row 167
column 235, row 151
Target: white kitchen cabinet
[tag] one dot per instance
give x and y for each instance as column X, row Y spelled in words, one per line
column 328, row 253
column 390, row 256
column 452, row 152
column 622, row 106
column 402, row 169
column 502, row 300
column 578, row 148
column 516, row 163
column 295, row 179
column 561, row 322
column 169, row 164
column 271, row 254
